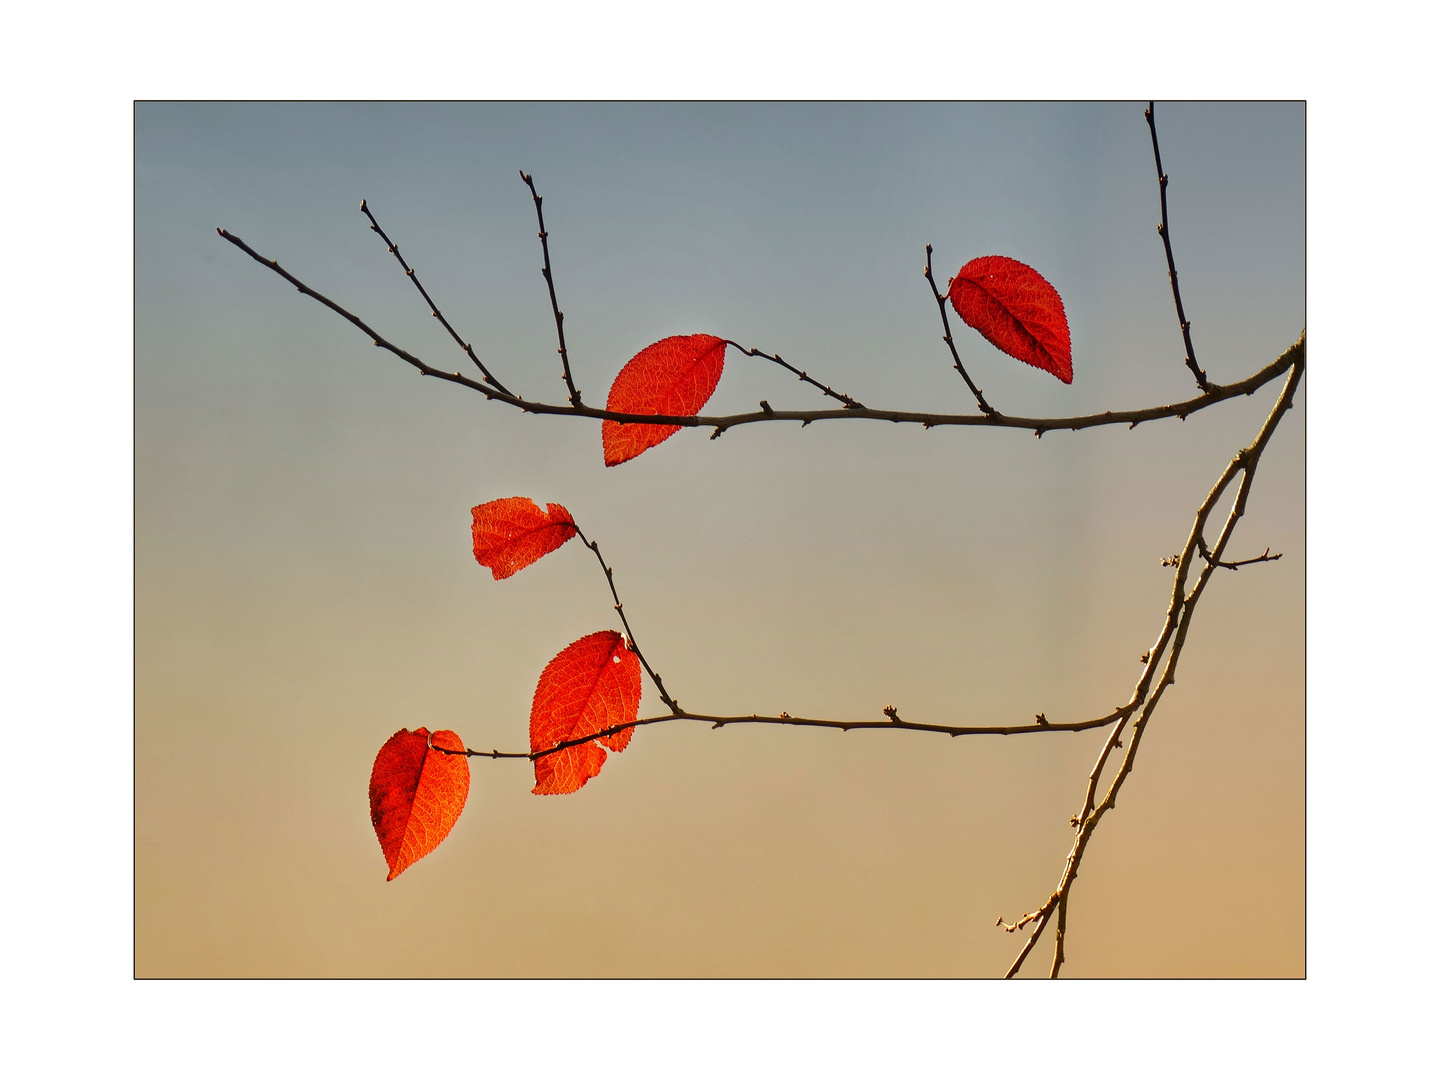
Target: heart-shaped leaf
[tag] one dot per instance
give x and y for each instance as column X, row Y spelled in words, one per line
column 510, row 534
column 416, row 794
column 592, row 685
column 673, row 377
column 1016, row 310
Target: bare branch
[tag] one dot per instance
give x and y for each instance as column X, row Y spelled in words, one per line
column 435, row 311
column 550, row 284
column 1190, row 362
column 950, row 340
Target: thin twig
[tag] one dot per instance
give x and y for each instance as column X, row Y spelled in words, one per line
column 673, row 705
column 950, row 340
column 434, row 310
column 550, row 284
column 1267, row 557
column 846, row 399
column 1190, row 361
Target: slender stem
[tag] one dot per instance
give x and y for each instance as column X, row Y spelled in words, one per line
column 1190, row 361
column 949, row 339
column 846, row 399
column 550, row 284
column 673, row 705
column 1133, row 417
column 786, row 720
column 434, row 310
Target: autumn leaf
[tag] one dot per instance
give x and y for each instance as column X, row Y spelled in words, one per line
column 1016, row 310
column 673, row 377
column 416, row 794
column 594, row 684
column 510, row 534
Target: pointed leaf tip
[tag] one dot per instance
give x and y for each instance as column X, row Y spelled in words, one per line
column 593, row 684
column 510, row 534
column 416, row 794
column 1016, row 310
column 673, row 377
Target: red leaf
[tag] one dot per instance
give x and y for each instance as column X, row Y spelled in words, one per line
column 592, row 685
column 673, row 377
column 416, row 794
column 510, row 534
column 1017, row 311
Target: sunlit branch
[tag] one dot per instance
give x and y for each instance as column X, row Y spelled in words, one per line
column 1213, row 561
column 434, row 310
column 1173, row 635
column 949, row 338
column 550, row 284
column 1164, row 228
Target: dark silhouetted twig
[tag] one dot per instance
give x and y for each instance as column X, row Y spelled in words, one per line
column 950, row 340
column 550, row 284
column 1164, row 227
column 846, row 399
column 434, row 310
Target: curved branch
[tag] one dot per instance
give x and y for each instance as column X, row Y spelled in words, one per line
column 1178, row 616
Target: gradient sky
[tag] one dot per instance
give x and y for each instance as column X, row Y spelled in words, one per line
column 305, row 585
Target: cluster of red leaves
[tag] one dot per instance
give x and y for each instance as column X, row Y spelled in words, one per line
column 590, row 692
